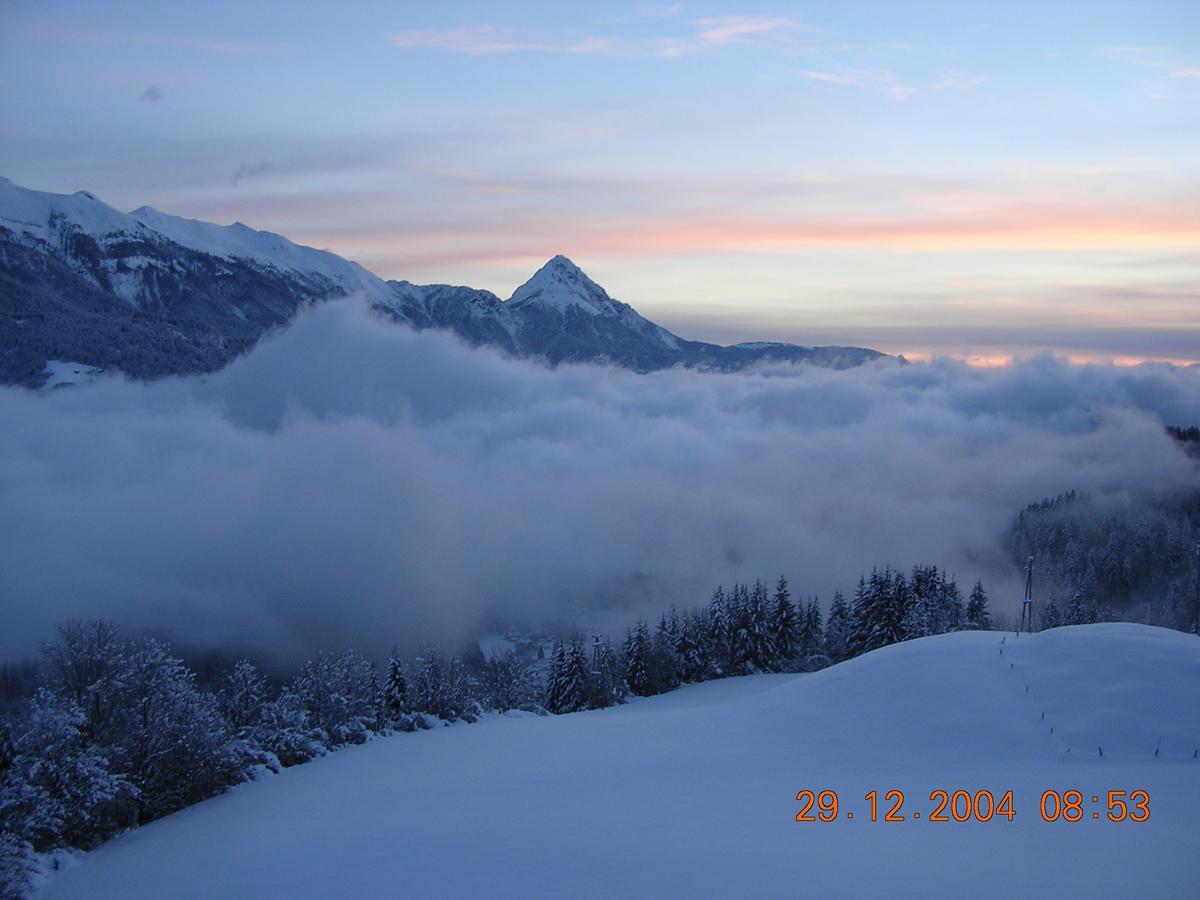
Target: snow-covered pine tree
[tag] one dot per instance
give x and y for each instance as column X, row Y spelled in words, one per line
column 638, row 674
column 688, row 649
column 8, row 749
column 395, row 690
column 838, row 629
column 431, row 688
column 857, row 639
column 762, row 647
column 508, row 685
column 886, row 607
column 1080, row 611
column 664, row 665
column 923, row 611
column 17, row 866
column 1049, row 616
column 556, row 681
column 461, row 702
column 785, row 625
column 715, row 649
column 950, row 605
column 978, row 617
column 577, row 679
column 741, row 649
column 674, row 626
column 808, row 637
column 815, row 656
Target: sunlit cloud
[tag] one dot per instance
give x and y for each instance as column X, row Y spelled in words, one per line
column 703, row 34
column 1166, row 61
column 473, row 40
column 958, row 81
column 880, row 80
column 727, row 29
column 653, row 11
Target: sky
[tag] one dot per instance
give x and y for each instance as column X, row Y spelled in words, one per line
column 979, row 180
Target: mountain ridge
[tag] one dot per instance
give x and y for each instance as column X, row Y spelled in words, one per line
column 153, row 294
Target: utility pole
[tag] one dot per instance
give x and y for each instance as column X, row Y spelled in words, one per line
column 1027, row 605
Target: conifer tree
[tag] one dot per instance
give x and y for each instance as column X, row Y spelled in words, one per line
column 638, row 673
column 665, row 667
column 1079, row 611
column 395, row 688
column 838, row 629
column 438, row 687
column 716, row 650
column 741, row 640
column 922, row 616
column 762, row 647
column 978, row 617
column 577, row 678
column 886, row 605
column 556, row 681
column 857, row 642
column 814, row 636
column 785, row 628
column 1049, row 616
column 688, row 649
column 608, row 675
column 950, row 607
column 507, row 684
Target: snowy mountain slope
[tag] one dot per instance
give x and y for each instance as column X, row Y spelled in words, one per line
column 151, row 294
column 692, row 793
column 561, row 315
column 145, row 293
column 52, row 218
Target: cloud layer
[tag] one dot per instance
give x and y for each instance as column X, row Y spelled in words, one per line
column 351, row 482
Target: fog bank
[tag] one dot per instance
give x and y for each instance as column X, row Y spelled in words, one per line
column 350, row 482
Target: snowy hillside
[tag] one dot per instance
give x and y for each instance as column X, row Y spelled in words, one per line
column 693, row 793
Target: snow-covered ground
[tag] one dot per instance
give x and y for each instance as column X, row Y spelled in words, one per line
column 693, row 793
column 60, row 373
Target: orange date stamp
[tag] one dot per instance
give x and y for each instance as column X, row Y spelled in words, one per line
column 977, row 806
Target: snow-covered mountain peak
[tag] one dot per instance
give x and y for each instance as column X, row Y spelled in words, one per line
column 45, row 216
column 215, row 289
column 40, row 214
column 559, row 285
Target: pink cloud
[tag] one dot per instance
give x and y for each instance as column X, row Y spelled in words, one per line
column 875, row 79
column 705, row 34
column 726, row 29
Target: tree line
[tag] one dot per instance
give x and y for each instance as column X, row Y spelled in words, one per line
column 117, row 731
column 1096, row 561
